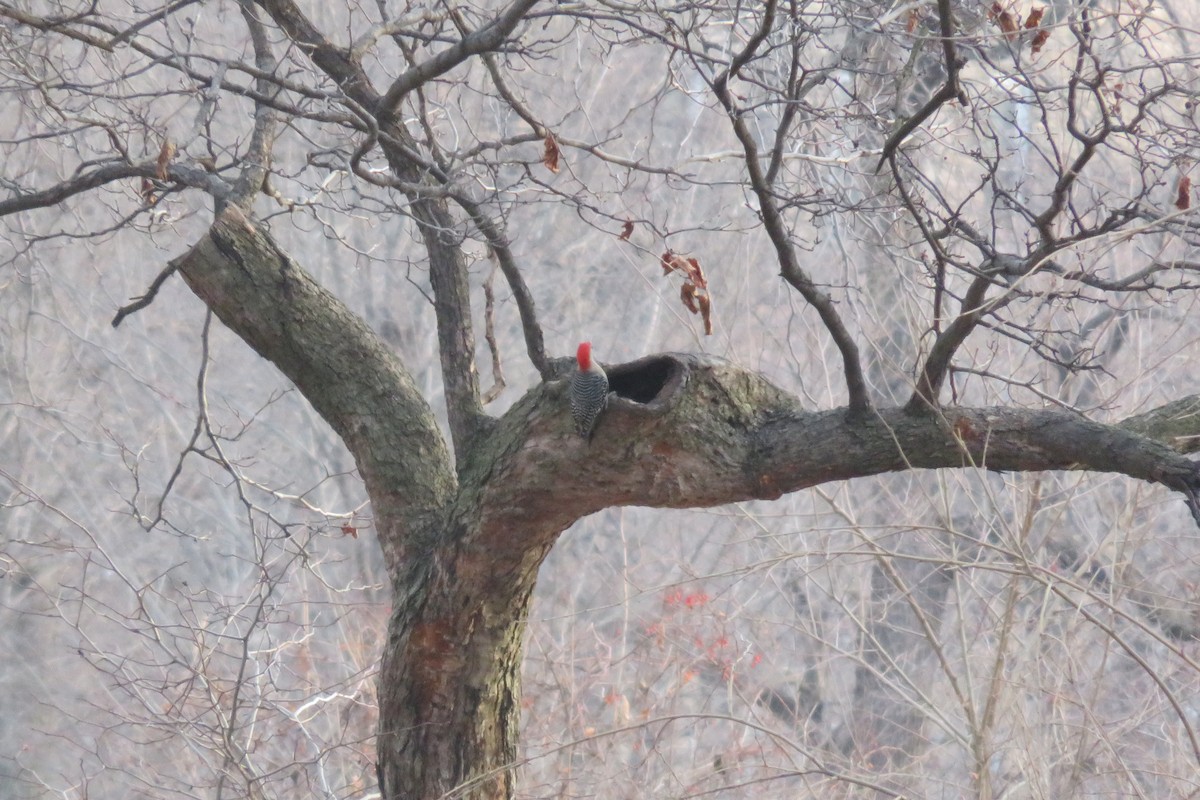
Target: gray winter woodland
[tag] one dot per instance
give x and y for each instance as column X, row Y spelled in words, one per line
column 890, row 495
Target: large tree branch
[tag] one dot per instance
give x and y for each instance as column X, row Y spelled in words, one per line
column 1176, row 424
column 685, row 431
column 83, row 182
column 339, row 63
column 340, row 366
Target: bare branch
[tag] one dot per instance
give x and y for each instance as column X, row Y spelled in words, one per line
column 530, row 326
column 482, row 40
column 57, row 24
column 146, row 299
column 101, row 176
column 950, row 90
column 257, row 161
column 489, row 334
column 793, row 273
column 149, row 19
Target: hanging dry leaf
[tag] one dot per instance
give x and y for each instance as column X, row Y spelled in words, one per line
column 706, row 312
column 1183, row 198
column 146, row 190
column 667, row 260
column 1034, row 22
column 687, row 293
column 165, row 154
column 914, row 17
column 1039, row 41
column 694, row 291
column 626, row 230
column 551, row 154
column 690, row 267
column 1004, row 20
column 1118, row 93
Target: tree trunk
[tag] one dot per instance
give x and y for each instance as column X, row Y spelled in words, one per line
column 449, row 686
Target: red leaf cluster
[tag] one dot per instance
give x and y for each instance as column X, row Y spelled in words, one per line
column 694, row 292
column 1034, row 22
column 1005, row 21
column 676, row 597
column 1010, row 25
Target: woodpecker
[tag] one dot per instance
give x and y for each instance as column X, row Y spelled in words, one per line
column 589, row 392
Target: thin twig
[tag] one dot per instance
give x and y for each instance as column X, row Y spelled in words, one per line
column 146, row 299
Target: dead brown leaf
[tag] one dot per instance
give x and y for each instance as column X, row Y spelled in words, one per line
column 693, row 294
column 1039, row 41
column 687, row 293
column 706, row 312
column 165, row 154
column 1004, row 20
column 551, row 154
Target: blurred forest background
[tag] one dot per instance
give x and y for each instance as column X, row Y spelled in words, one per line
column 193, row 603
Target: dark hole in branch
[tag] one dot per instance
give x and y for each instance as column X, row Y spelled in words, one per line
column 645, row 380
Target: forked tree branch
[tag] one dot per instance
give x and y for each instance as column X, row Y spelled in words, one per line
column 793, row 273
column 447, row 266
column 340, row 366
column 339, row 63
column 937, row 363
column 950, row 90
column 482, row 40
column 534, row 342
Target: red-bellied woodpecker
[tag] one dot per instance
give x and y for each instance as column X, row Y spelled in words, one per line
column 589, row 392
